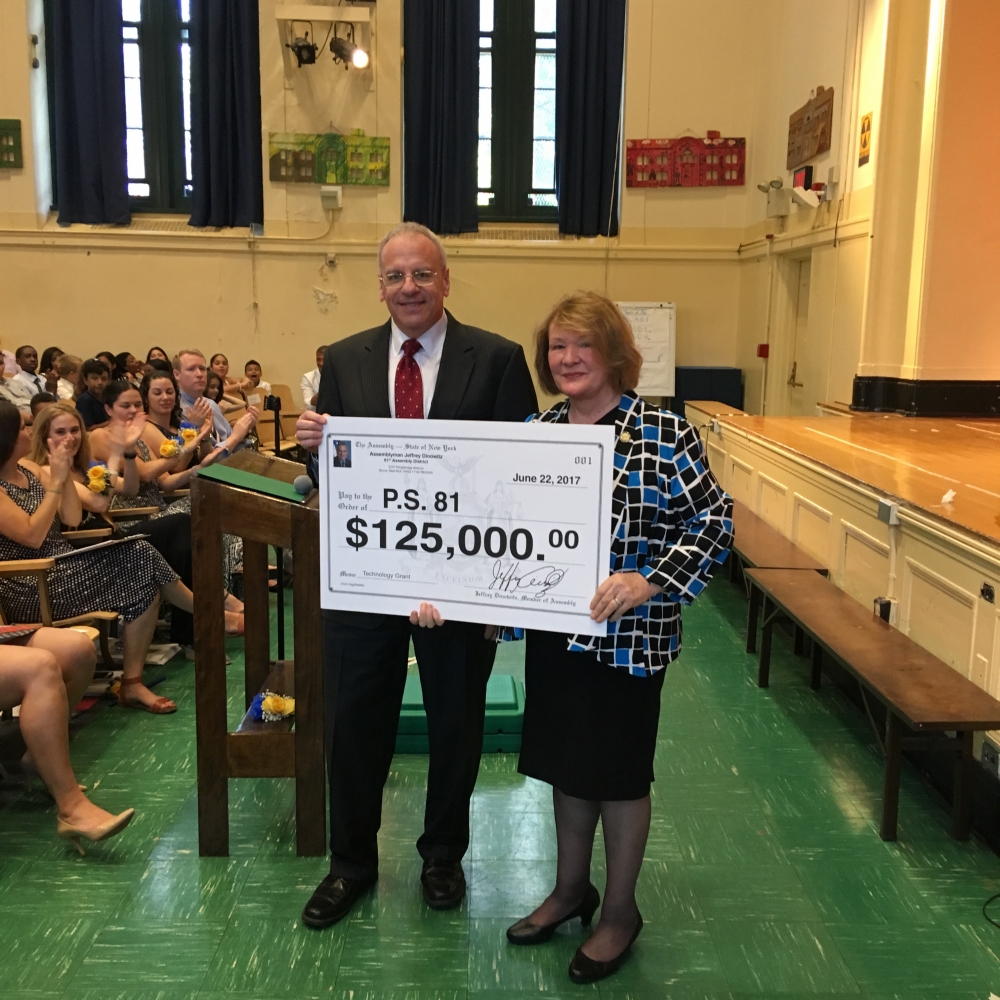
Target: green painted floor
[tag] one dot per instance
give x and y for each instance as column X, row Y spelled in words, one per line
column 765, row 876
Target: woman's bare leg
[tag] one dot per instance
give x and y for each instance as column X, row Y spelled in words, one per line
column 180, row 596
column 33, row 678
column 75, row 654
column 136, row 638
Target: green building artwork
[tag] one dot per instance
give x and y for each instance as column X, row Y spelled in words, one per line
column 329, row 158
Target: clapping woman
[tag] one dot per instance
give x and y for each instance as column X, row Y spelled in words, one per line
column 128, row 578
column 593, row 703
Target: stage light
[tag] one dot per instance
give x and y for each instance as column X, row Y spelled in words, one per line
column 344, row 50
column 304, row 50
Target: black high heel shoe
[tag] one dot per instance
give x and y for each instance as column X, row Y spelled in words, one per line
column 525, row 932
column 586, row 970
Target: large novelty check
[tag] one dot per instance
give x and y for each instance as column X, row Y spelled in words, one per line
column 498, row 523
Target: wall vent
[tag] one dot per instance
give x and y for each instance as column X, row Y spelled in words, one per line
column 534, row 234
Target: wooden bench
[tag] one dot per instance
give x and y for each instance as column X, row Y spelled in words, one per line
column 918, row 690
column 757, row 545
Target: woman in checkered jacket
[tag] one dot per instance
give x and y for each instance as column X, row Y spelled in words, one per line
column 593, row 703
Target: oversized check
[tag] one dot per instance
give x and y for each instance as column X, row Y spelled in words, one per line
column 505, row 524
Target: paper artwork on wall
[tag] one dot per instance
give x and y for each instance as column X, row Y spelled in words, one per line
column 11, row 157
column 865, row 145
column 329, row 158
column 715, row 161
column 810, row 128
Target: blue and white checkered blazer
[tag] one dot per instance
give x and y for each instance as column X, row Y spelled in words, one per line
column 674, row 525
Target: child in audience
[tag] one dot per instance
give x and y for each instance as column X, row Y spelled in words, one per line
column 90, row 402
column 39, row 401
column 128, row 578
column 235, row 388
column 68, row 370
column 157, row 354
column 47, row 367
column 257, row 384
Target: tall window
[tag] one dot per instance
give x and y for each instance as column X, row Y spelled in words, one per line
column 157, row 55
column 156, row 51
column 517, row 110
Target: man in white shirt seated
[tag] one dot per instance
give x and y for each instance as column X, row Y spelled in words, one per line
column 310, row 381
column 26, row 383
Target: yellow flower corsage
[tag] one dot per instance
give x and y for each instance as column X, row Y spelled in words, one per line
column 170, row 448
column 271, row 707
column 188, row 432
column 98, row 478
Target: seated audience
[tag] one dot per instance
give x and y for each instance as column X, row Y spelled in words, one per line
column 90, row 403
column 310, row 381
column 39, row 401
column 158, row 365
column 129, row 578
column 46, row 673
column 257, row 384
column 157, row 354
column 63, row 422
column 191, row 374
column 68, row 370
column 235, row 388
column 128, row 368
column 109, row 359
column 215, row 390
column 47, row 367
column 20, row 387
column 169, row 529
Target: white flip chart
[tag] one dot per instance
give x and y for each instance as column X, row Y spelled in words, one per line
column 655, row 328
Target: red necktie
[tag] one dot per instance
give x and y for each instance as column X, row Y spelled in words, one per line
column 409, row 384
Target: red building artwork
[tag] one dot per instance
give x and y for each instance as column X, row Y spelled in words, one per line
column 715, row 161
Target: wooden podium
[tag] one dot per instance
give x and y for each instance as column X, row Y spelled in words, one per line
column 291, row 748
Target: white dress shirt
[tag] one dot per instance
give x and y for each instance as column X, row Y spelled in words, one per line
column 21, row 388
column 310, row 387
column 428, row 359
column 65, row 389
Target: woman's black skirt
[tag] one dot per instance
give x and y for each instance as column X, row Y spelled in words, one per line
column 589, row 728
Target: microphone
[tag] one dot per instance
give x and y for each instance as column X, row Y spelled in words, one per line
column 302, row 484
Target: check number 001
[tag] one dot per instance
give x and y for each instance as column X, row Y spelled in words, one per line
column 470, row 540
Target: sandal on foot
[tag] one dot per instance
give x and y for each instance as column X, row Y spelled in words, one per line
column 162, row 706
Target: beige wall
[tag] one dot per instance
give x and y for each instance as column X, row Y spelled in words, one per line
column 275, row 299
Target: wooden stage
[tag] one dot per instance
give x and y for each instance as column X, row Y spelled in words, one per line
column 821, row 480
column 916, row 460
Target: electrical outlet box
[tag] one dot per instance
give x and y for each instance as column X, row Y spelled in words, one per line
column 11, row 152
column 888, row 512
column 885, row 608
column 779, row 203
column 331, row 196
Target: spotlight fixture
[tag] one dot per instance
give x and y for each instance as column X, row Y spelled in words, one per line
column 304, row 50
column 777, row 183
column 763, row 188
column 344, row 49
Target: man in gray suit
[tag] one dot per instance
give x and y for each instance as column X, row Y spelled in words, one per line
column 422, row 363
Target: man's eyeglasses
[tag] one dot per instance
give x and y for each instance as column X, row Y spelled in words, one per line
column 393, row 279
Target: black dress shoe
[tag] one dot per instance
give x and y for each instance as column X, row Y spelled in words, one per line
column 586, row 970
column 443, row 884
column 333, row 899
column 525, row 932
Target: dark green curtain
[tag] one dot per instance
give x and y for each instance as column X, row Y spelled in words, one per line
column 85, row 59
column 441, row 114
column 590, row 58
column 226, row 157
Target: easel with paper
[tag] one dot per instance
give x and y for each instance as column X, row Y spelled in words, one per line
column 655, row 328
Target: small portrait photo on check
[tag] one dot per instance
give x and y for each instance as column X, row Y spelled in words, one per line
column 341, row 454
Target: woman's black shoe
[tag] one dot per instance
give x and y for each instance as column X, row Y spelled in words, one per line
column 586, row 970
column 525, row 932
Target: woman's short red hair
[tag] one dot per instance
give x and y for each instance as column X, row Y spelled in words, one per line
column 611, row 338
